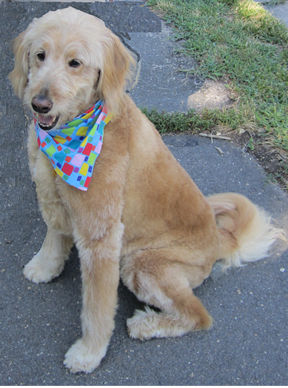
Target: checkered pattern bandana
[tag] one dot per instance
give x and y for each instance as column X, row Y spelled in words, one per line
column 73, row 148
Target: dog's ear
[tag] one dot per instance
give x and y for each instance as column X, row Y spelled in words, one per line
column 19, row 75
column 117, row 70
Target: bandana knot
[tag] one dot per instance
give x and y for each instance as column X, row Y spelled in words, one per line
column 73, row 148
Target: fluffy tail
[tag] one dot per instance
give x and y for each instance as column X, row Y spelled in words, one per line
column 245, row 231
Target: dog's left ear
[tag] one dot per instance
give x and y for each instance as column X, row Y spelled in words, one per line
column 19, row 75
column 117, row 71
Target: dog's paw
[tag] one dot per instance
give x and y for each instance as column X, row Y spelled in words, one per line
column 82, row 358
column 143, row 325
column 151, row 324
column 42, row 270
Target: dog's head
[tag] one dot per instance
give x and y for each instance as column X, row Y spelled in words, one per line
column 64, row 62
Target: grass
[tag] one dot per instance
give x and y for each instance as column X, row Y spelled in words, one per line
column 192, row 121
column 240, row 43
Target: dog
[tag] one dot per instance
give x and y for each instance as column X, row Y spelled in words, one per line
column 141, row 218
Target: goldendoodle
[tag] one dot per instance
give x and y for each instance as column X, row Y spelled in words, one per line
column 106, row 182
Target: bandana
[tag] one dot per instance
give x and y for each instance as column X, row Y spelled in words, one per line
column 73, row 148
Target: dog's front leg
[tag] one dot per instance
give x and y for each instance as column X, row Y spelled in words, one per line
column 100, row 277
column 49, row 262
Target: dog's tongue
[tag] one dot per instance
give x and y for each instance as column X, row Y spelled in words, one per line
column 46, row 120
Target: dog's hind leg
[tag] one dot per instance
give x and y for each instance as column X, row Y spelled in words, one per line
column 49, row 262
column 165, row 284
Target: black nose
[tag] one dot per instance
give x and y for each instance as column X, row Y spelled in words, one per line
column 41, row 104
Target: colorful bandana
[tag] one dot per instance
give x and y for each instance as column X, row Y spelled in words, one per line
column 73, row 148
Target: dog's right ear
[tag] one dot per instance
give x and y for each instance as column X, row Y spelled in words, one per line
column 19, row 75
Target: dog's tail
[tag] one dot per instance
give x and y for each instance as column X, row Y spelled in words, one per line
column 245, row 230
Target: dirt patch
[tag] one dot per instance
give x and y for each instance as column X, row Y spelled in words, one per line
column 212, row 95
column 274, row 160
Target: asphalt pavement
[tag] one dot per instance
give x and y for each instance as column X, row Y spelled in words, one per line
column 279, row 9
column 247, row 344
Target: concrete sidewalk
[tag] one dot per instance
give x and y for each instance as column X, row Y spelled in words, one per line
column 247, row 344
column 279, row 10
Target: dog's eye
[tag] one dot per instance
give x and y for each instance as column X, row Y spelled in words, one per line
column 74, row 63
column 41, row 56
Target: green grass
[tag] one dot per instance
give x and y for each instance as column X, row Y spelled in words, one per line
column 238, row 42
column 192, row 121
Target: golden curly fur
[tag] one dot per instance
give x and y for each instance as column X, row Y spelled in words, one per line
column 142, row 217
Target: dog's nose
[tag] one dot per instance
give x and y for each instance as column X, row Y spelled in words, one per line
column 41, row 104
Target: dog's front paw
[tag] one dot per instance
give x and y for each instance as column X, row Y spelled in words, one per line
column 83, row 358
column 43, row 270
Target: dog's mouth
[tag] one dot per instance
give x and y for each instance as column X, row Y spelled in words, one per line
column 46, row 122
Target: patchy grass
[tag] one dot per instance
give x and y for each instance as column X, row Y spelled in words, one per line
column 240, row 43
column 208, row 120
